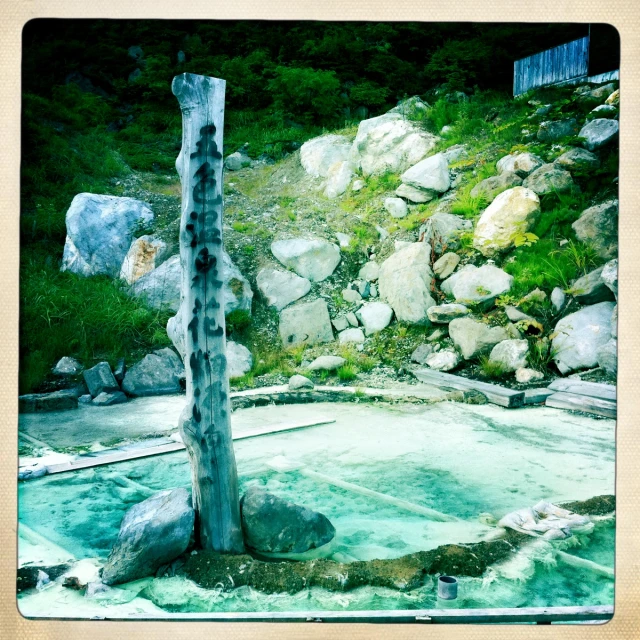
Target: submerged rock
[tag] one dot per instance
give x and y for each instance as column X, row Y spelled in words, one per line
column 274, row 525
column 153, row 532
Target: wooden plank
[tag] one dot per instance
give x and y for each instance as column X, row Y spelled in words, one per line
column 575, row 402
column 536, row 396
column 495, row 394
column 581, row 388
column 417, row 616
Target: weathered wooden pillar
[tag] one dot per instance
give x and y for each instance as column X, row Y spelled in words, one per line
column 204, row 424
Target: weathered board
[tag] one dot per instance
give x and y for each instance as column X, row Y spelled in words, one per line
column 581, row 388
column 495, row 394
column 569, row 60
column 536, row 396
column 575, row 402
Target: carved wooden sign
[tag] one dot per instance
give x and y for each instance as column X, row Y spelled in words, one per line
column 205, row 423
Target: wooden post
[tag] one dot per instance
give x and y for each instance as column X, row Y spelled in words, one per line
column 204, row 424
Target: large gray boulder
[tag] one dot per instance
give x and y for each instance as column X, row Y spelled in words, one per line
column 430, row 174
column 597, row 227
column 579, row 335
column 160, row 288
column 477, row 285
column 592, row 288
column 374, row 316
column 555, row 130
column 445, row 265
column 54, row 401
column 328, row 157
column 389, row 143
column 549, row 178
column 313, row 259
column 239, row 359
column 513, row 213
column 522, row 164
column 100, row 378
column 473, row 338
column 273, row 525
column 599, row 132
column 144, row 255
column 326, row 363
column 445, row 313
column 67, row 367
column 305, row 323
column 493, row 186
column 397, row 207
column 510, row 354
column 577, row 159
column 99, row 233
column 405, row 282
column 158, row 373
column 608, row 357
column 152, row 533
column 610, row 276
column 281, row 288
column 443, row 230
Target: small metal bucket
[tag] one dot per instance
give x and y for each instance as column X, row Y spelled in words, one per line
column 447, row 588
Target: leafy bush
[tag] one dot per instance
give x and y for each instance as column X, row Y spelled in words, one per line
column 369, row 94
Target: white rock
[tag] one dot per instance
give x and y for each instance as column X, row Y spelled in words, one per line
column 558, row 298
column 445, row 313
column 338, row 179
column 305, row 323
column 236, row 161
column 144, row 255
column 421, row 353
column 579, row 159
column 417, row 196
column 358, row 185
column 609, row 275
column 369, row 271
column 608, row 357
column 455, row 153
column 351, row 336
column 522, row 164
column 320, row 154
column 239, row 359
column 351, row 295
column 443, row 231
column 614, row 322
column 340, row 323
column 510, row 354
column 525, row 375
column 67, row 366
column 375, row 316
column 344, row 239
column 281, row 288
column 444, row 360
column 326, row 363
column 431, row 174
column 297, row 382
column 477, row 285
column 579, row 335
column 389, row 143
column 313, row 259
column 405, row 283
column 444, row 266
column 599, row 132
column 397, row 207
column 473, row 338
column 597, row 227
column 513, row 213
column 100, row 230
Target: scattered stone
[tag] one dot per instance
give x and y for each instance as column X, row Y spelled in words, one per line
column 603, row 111
column 239, row 359
column 326, row 363
column 273, row 525
column 495, row 185
column 410, row 106
column 417, row 196
column 522, row 164
column 597, row 227
column 405, row 283
column 553, row 131
column 153, row 532
column 525, row 375
column 383, row 233
column 473, row 338
column 344, row 239
column 513, row 213
column 305, row 323
column 99, row 233
column 364, row 288
column 577, row 159
column 349, row 336
column 558, row 298
column 358, row 185
column 319, row 154
column 614, row 99
column 313, row 259
column 515, row 315
column 55, row 401
column 609, row 276
column 390, row 143
column 421, row 353
column 158, row 373
column 442, row 231
column 608, row 357
column 340, row 323
column 445, row 313
column 454, row 153
column 369, row 271
column 477, row 285
column 444, row 360
column 351, row 295
column 430, row 174
column 598, row 133
column 100, row 378
column 338, row 179
column 67, row 367
column 549, row 178
column 594, row 96
column 85, row 398
column 281, row 288
column 374, row 316
column 352, row 319
column 444, row 266
column 373, row 290
column 591, row 288
column 614, row 322
column 511, row 355
column 397, row 207
column 579, row 335
column 298, row 382
column 105, row 399
column 437, row 334
column 236, row 161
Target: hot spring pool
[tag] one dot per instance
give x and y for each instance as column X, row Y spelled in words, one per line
column 461, row 460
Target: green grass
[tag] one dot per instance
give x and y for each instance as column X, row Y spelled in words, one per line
column 347, row 372
column 491, row 369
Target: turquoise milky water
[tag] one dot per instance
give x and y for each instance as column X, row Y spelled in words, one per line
column 459, row 459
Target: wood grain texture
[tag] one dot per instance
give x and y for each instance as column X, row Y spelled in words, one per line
column 204, row 424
